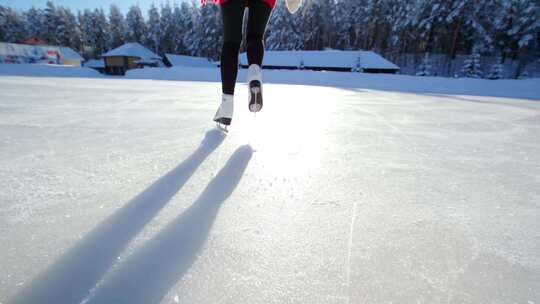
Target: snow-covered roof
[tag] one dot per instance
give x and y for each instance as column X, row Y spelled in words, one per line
column 38, row 52
column 95, row 63
column 133, row 49
column 189, row 61
column 70, row 54
column 322, row 59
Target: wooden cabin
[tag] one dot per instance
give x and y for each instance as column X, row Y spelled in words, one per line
column 129, row 56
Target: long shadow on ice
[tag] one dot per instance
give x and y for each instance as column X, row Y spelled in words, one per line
column 149, row 273
column 69, row 279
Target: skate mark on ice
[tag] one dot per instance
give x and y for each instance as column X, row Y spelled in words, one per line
column 149, row 273
column 349, row 251
column 85, row 264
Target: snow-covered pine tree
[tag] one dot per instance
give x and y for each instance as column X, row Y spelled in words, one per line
column 51, row 23
column 76, row 40
column 425, row 67
column 67, row 31
column 166, row 25
column 343, row 24
column 61, row 31
column 84, row 19
column 117, row 28
column 496, row 70
column 375, row 24
column 135, row 25
column 312, row 26
column 94, row 28
column 34, row 22
column 520, row 26
column 153, row 35
column 432, row 25
column 12, row 25
column 209, row 32
column 193, row 37
column 327, row 12
column 284, row 30
column 398, row 40
column 178, row 30
column 187, row 39
column 472, row 67
column 274, row 28
column 101, row 31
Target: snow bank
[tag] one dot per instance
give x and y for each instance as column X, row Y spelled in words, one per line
column 95, row 63
column 529, row 88
column 46, row 70
column 176, row 73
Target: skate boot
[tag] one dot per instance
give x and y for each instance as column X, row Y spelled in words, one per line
column 225, row 111
column 254, row 80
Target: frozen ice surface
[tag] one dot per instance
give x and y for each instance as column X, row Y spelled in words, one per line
column 121, row 191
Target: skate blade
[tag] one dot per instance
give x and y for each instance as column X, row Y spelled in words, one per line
column 255, row 104
column 255, row 90
column 255, row 107
column 222, row 128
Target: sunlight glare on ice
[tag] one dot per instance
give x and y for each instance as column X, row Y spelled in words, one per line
column 286, row 128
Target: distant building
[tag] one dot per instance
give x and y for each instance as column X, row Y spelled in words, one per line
column 70, row 57
column 129, row 56
column 171, row 60
column 330, row 60
column 40, row 54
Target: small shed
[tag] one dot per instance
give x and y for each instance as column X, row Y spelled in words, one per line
column 129, row 56
column 171, row 60
column 41, row 54
column 328, row 60
column 70, row 57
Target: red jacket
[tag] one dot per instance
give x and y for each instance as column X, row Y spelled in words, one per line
column 272, row 3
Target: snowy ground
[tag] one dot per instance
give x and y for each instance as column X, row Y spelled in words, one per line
column 121, row 191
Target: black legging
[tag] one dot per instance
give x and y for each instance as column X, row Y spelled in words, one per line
column 232, row 14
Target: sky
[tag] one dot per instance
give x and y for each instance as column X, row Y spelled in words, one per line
column 124, row 5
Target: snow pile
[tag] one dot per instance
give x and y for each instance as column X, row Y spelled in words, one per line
column 528, row 88
column 45, row 70
column 95, row 63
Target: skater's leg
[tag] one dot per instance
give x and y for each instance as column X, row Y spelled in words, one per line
column 232, row 14
column 259, row 13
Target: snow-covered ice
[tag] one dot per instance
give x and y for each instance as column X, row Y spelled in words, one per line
column 121, row 191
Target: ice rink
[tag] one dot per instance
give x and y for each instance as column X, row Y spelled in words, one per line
column 122, row 191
